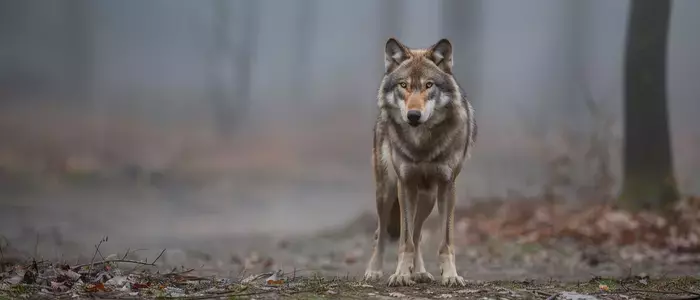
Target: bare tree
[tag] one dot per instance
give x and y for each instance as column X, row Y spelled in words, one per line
column 244, row 50
column 80, row 42
column 235, row 39
column 649, row 182
column 461, row 23
column 306, row 23
column 219, row 67
column 390, row 12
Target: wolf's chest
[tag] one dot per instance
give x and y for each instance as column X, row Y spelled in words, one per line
column 400, row 166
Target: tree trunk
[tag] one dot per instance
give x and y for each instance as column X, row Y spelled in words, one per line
column 81, row 50
column 244, row 54
column 304, row 45
column 220, row 70
column 389, row 23
column 461, row 24
column 649, row 182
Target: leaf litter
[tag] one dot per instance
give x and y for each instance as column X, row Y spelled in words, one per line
column 115, row 277
column 639, row 236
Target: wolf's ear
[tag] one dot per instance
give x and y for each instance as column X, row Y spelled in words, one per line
column 441, row 55
column 394, row 54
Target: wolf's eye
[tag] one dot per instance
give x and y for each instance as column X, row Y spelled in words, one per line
column 403, row 84
column 428, row 85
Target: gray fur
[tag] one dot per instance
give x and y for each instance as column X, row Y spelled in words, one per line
column 417, row 164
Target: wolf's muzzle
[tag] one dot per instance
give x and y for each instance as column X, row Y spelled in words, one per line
column 413, row 117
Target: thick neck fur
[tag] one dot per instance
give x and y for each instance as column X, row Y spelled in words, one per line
column 426, row 142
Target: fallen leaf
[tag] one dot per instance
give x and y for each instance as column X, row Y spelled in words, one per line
column 93, row 288
column 58, row 287
column 137, row 286
column 271, row 282
column 275, row 278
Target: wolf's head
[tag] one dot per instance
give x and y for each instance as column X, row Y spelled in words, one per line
column 417, row 82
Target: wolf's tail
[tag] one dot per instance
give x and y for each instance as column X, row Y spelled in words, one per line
column 394, row 226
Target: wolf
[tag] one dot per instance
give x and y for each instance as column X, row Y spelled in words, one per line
column 424, row 132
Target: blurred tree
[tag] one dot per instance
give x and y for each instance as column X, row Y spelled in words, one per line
column 244, row 50
column 306, row 23
column 79, row 37
column 389, row 20
column 649, row 182
column 461, row 24
column 230, row 62
column 390, row 12
column 219, row 67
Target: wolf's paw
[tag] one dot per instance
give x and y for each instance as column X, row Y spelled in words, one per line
column 373, row 275
column 454, row 280
column 401, row 279
column 422, row 277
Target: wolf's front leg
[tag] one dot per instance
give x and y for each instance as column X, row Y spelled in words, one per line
column 425, row 205
column 385, row 196
column 446, row 206
column 407, row 251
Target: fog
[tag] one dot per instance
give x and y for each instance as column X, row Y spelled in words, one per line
column 161, row 120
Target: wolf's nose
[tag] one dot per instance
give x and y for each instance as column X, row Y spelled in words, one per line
column 413, row 116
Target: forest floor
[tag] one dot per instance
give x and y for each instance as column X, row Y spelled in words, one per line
column 510, row 250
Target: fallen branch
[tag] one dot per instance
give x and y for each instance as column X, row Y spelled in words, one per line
column 685, row 298
column 663, row 292
column 173, row 273
column 131, row 261
column 553, row 296
column 689, row 292
column 230, row 295
column 683, row 291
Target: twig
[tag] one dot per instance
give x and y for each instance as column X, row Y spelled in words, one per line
column 553, row 296
column 131, row 261
column 218, row 296
column 543, row 293
column 127, row 253
column 659, row 292
column 178, row 273
column 111, row 261
column 2, row 258
column 36, row 246
column 97, row 248
column 538, row 292
column 689, row 292
column 295, row 270
column 159, row 255
column 234, row 294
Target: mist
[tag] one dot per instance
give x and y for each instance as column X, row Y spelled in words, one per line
column 161, row 123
